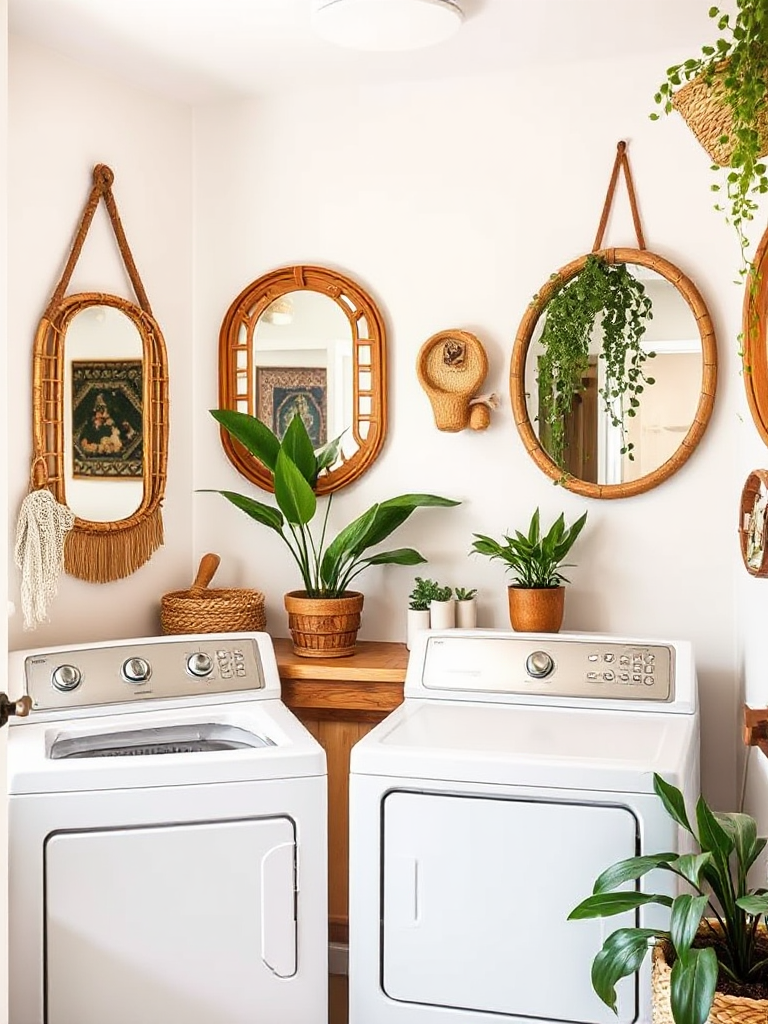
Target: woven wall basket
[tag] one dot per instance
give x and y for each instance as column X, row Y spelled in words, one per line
column 725, row 1009
column 200, row 610
column 709, row 118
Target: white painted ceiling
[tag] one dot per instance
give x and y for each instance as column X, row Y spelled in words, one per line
column 201, row 50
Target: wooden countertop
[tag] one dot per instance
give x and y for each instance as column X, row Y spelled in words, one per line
column 365, row 686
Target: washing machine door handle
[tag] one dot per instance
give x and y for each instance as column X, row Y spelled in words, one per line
column 8, row 707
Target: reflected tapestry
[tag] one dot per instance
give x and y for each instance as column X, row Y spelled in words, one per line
column 285, row 392
column 108, row 419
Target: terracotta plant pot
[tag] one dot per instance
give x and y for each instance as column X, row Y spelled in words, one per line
column 536, row 611
column 323, row 627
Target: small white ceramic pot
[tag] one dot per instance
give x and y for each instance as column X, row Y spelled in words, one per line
column 417, row 619
column 466, row 614
column 442, row 614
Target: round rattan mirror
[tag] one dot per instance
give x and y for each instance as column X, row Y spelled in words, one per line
column 755, row 327
column 672, row 413
column 308, row 341
column 100, row 429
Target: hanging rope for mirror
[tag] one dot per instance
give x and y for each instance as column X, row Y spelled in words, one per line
column 102, row 551
column 621, row 163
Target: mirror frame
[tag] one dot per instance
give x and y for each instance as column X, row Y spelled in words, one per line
column 755, row 338
column 643, row 258
column 100, row 560
column 357, row 305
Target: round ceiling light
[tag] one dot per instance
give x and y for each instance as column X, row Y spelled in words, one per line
column 386, row 24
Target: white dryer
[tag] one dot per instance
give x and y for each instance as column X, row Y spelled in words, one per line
column 167, row 838
column 482, row 810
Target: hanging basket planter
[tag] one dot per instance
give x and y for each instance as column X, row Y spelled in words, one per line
column 708, row 115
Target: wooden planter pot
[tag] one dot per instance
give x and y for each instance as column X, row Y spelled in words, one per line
column 725, row 1009
column 536, row 611
column 323, row 627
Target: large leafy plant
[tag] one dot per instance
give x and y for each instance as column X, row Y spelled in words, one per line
column 533, row 558
column 736, row 68
column 327, row 568
column 607, row 295
column 728, row 845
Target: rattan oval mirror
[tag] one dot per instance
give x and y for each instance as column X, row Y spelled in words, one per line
column 755, row 327
column 610, row 442
column 308, row 341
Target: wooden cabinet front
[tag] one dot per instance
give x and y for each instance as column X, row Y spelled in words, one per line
column 339, row 700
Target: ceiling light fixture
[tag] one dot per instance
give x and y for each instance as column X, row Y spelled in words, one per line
column 386, row 24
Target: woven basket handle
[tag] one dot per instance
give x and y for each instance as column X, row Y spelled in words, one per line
column 208, row 565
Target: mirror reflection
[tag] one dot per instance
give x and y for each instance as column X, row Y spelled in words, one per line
column 103, row 414
column 605, row 443
column 302, row 364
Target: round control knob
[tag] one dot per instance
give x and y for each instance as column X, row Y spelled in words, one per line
column 199, row 665
column 136, row 670
column 539, row 665
column 66, row 678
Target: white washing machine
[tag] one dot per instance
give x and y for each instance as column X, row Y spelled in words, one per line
column 167, row 838
column 482, row 810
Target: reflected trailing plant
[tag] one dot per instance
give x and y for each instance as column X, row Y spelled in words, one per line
column 534, row 559
column 736, row 67
column 601, row 295
column 327, row 568
column 728, row 845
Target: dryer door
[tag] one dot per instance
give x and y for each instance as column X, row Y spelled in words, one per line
column 192, row 923
column 475, row 899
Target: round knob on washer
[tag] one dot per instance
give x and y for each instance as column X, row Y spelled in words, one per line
column 136, row 670
column 199, row 664
column 539, row 664
column 66, row 678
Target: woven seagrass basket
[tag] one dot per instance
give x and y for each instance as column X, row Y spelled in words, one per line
column 725, row 1009
column 709, row 117
column 200, row 610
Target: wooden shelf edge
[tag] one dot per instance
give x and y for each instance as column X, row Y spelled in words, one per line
column 375, row 661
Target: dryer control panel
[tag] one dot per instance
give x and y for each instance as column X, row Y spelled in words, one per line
column 506, row 665
column 120, row 673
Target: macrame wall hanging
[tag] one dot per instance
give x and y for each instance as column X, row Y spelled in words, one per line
column 93, row 550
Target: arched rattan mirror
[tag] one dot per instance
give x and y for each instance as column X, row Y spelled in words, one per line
column 100, row 429
column 309, row 341
column 670, row 415
column 755, row 327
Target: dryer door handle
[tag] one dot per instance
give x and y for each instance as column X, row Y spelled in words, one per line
column 8, row 707
column 278, row 909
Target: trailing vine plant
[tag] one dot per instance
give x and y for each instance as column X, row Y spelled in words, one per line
column 736, row 68
column 610, row 295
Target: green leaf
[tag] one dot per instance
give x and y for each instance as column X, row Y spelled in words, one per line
column 687, row 912
column 395, row 511
column 631, row 869
column 293, row 494
column 673, row 801
column 621, row 955
column 267, row 515
column 608, row 904
column 298, row 447
column 399, row 556
column 712, row 835
column 328, row 455
column 692, row 986
column 254, row 435
column 341, row 552
column 753, row 904
column 691, row 866
column 742, row 830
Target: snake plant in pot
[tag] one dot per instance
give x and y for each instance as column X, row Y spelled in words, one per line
column 711, row 964
column 536, row 595
column 325, row 615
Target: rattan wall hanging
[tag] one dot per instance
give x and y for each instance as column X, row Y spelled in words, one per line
column 451, row 368
column 94, row 550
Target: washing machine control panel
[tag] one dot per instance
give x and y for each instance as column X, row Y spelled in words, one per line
column 556, row 667
column 177, row 667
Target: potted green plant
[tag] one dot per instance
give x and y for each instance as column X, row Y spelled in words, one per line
column 442, row 609
column 716, row 936
column 466, row 607
column 419, row 601
column 323, row 617
column 723, row 95
column 536, row 594
column 601, row 293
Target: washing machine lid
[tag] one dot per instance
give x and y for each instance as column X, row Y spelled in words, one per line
column 236, row 742
column 561, row 748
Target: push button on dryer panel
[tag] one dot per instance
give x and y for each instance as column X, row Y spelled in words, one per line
column 66, row 678
column 199, row 665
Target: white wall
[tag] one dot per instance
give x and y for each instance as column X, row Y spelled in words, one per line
column 64, row 119
column 453, row 202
